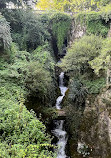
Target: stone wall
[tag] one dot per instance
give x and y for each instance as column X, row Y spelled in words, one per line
column 76, row 32
column 96, row 125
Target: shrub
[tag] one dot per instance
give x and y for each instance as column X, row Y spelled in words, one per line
column 97, row 27
column 44, row 54
column 102, row 61
column 81, row 51
column 37, row 79
column 95, row 22
column 94, row 86
column 77, row 92
column 28, row 29
column 22, row 134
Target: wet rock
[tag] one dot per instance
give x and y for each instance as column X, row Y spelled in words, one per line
column 96, row 124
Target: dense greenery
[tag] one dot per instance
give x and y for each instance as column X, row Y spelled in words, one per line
column 27, row 69
column 72, row 5
column 102, row 61
column 81, row 51
column 28, row 29
column 61, row 24
column 84, row 56
column 22, row 74
column 94, row 86
column 77, row 92
column 95, row 22
column 20, row 128
column 97, row 27
column 22, row 134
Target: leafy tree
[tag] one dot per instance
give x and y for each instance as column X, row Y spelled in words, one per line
column 44, row 56
column 63, row 5
column 37, row 79
column 99, row 3
column 27, row 28
column 3, row 3
column 94, row 85
column 82, row 51
column 102, row 61
column 20, row 128
column 22, row 134
column 97, row 27
column 71, row 5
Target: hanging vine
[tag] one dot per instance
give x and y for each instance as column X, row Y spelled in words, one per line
column 60, row 26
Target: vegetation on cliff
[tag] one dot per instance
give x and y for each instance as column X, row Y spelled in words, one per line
column 29, row 45
column 61, row 24
column 23, row 74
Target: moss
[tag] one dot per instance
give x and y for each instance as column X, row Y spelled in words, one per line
column 60, row 26
column 96, row 22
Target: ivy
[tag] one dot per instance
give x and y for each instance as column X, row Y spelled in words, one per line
column 60, row 26
column 94, row 86
column 97, row 27
column 22, row 134
column 96, row 22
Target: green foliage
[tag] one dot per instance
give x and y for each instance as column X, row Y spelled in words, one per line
column 44, row 55
column 19, row 151
column 22, row 134
column 77, row 92
column 94, row 86
column 106, row 13
column 102, row 61
column 28, row 29
column 95, row 22
column 82, row 51
column 97, row 28
column 5, row 36
column 22, row 130
column 34, row 71
column 60, row 27
column 72, row 5
column 37, row 79
column 104, row 2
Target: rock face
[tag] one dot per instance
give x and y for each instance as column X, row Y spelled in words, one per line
column 77, row 31
column 96, row 125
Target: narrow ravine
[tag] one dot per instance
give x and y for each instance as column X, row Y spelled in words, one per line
column 59, row 130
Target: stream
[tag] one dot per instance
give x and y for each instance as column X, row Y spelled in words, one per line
column 59, row 130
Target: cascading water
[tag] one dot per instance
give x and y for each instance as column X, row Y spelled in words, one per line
column 59, row 131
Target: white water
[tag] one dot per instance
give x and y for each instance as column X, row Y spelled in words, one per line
column 63, row 90
column 59, row 132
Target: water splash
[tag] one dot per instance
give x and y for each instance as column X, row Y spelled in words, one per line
column 59, row 131
column 63, row 90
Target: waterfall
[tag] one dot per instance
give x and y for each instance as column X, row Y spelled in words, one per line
column 59, row 131
column 63, row 89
